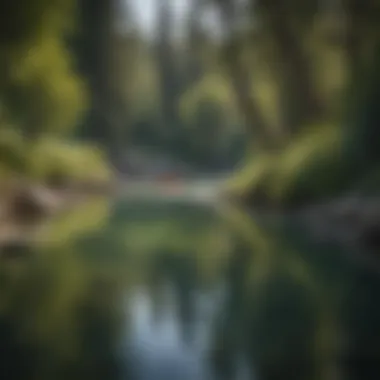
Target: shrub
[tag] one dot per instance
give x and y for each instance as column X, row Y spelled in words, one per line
column 61, row 163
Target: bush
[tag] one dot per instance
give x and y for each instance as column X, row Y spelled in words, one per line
column 61, row 163
column 51, row 161
column 310, row 168
column 314, row 166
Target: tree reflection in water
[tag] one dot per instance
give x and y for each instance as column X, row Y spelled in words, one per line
column 239, row 295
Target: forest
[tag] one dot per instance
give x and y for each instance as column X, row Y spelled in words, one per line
column 282, row 97
column 287, row 92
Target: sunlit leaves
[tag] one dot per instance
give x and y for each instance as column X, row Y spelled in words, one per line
column 214, row 90
column 45, row 91
column 40, row 88
column 53, row 159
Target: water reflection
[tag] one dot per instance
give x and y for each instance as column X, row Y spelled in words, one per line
column 159, row 349
column 157, row 291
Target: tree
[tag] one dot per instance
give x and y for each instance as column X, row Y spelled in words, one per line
column 96, row 47
column 170, row 85
column 257, row 126
column 38, row 87
column 288, row 26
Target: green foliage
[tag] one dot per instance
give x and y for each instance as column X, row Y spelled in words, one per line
column 67, row 162
column 211, row 89
column 207, row 121
column 39, row 86
column 83, row 220
column 51, row 161
column 251, row 180
column 42, row 97
column 40, row 92
column 44, row 94
column 319, row 164
column 312, row 167
column 12, row 155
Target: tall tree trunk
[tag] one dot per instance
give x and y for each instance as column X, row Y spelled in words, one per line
column 94, row 51
column 168, row 70
column 353, row 38
column 299, row 101
column 257, row 127
column 196, row 41
column 364, row 113
column 361, row 36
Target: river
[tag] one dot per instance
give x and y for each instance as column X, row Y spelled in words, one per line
column 166, row 283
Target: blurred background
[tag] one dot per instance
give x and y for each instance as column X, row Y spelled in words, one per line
column 189, row 189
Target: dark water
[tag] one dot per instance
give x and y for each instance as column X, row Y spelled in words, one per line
column 148, row 290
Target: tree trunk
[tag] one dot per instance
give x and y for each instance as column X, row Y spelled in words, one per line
column 257, row 127
column 169, row 76
column 92, row 47
column 361, row 34
column 299, row 101
column 196, row 40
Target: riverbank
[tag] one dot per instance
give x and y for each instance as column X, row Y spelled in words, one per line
column 351, row 222
column 322, row 181
column 25, row 207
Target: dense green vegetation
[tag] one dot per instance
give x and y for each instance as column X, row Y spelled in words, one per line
column 42, row 96
column 326, row 146
column 298, row 91
column 283, row 89
column 291, row 91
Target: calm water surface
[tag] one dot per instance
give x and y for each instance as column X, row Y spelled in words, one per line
column 150, row 290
